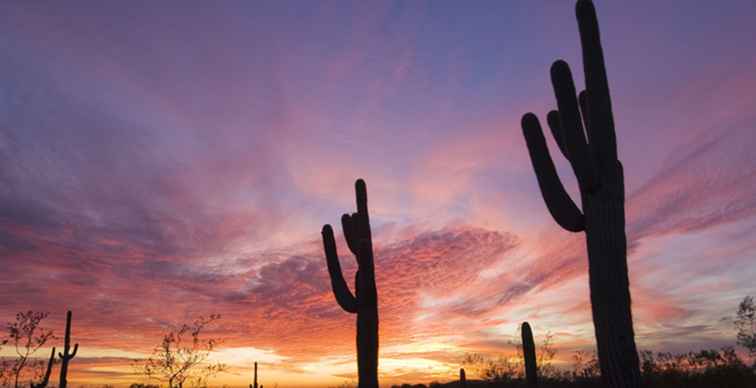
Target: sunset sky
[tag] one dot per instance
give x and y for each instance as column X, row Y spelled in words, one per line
column 165, row 160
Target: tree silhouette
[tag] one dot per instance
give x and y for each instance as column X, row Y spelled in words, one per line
column 27, row 336
column 745, row 322
column 183, row 356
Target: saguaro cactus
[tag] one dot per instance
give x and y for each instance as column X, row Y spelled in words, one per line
column 254, row 379
column 364, row 302
column 600, row 178
column 529, row 354
column 46, row 377
column 462, row 378
column 66, row 356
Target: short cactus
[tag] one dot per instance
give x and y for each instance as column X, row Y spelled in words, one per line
column 602, row 191
column 66, row 356
column 46, row 376
column 254, row 379
column 462, row 378
column 529, row 354
column 365, row 301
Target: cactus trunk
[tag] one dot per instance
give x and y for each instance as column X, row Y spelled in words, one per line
column 610, row 292
column 367, row 347
column 364, row 302
column 529, row 354
column 254, row 378
column 583, row 128
column 67, row 355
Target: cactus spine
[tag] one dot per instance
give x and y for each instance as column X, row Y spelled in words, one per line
column 365, row 301
column 462, row 378
column 46, row 377
column 529, row 354
column 600, row 178
column 66, row 356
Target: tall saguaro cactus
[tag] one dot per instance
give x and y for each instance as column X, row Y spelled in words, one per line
column 46, row 377
column 364, row 302
column 590, row 147
column 66, row 356
column 529, row 354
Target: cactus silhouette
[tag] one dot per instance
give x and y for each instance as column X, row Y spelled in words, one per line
column 364, row 302
column 529, row 354
column 462, row 378
column 601, row 182
column 254, row 384
column 46, row 376
column 66, row 356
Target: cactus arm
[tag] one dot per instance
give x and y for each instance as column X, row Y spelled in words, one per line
column 73, row 354
column 360, row 192
column 572, row 127
column 559, row 203
column 347, row 225
column 362, row 224
column 583, row 101
column 46, row 377
column 552, row 118
column 344, row 297
column 597, row 85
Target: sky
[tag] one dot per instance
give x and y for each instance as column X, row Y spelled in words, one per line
column 161, row 161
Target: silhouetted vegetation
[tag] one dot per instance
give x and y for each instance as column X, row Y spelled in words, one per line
column 183, row 356
column 705, row 368
column 365, row 301
column 602, row 193
column 46, row 376
column 25, row 335
column 510, row 369
column 254, row 379
column 745, row 323
column 529, row 355
column 67, row 355
column 140, row 385
column 584, row 131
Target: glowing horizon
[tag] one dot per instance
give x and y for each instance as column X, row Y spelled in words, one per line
column 165, row 162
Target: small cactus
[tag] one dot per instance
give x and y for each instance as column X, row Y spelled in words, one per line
column 591, row 148
column 462, row 378
column 46, row 377
column 254, row 381
column 66, row 356
column 529, row 354
column 364, row 302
